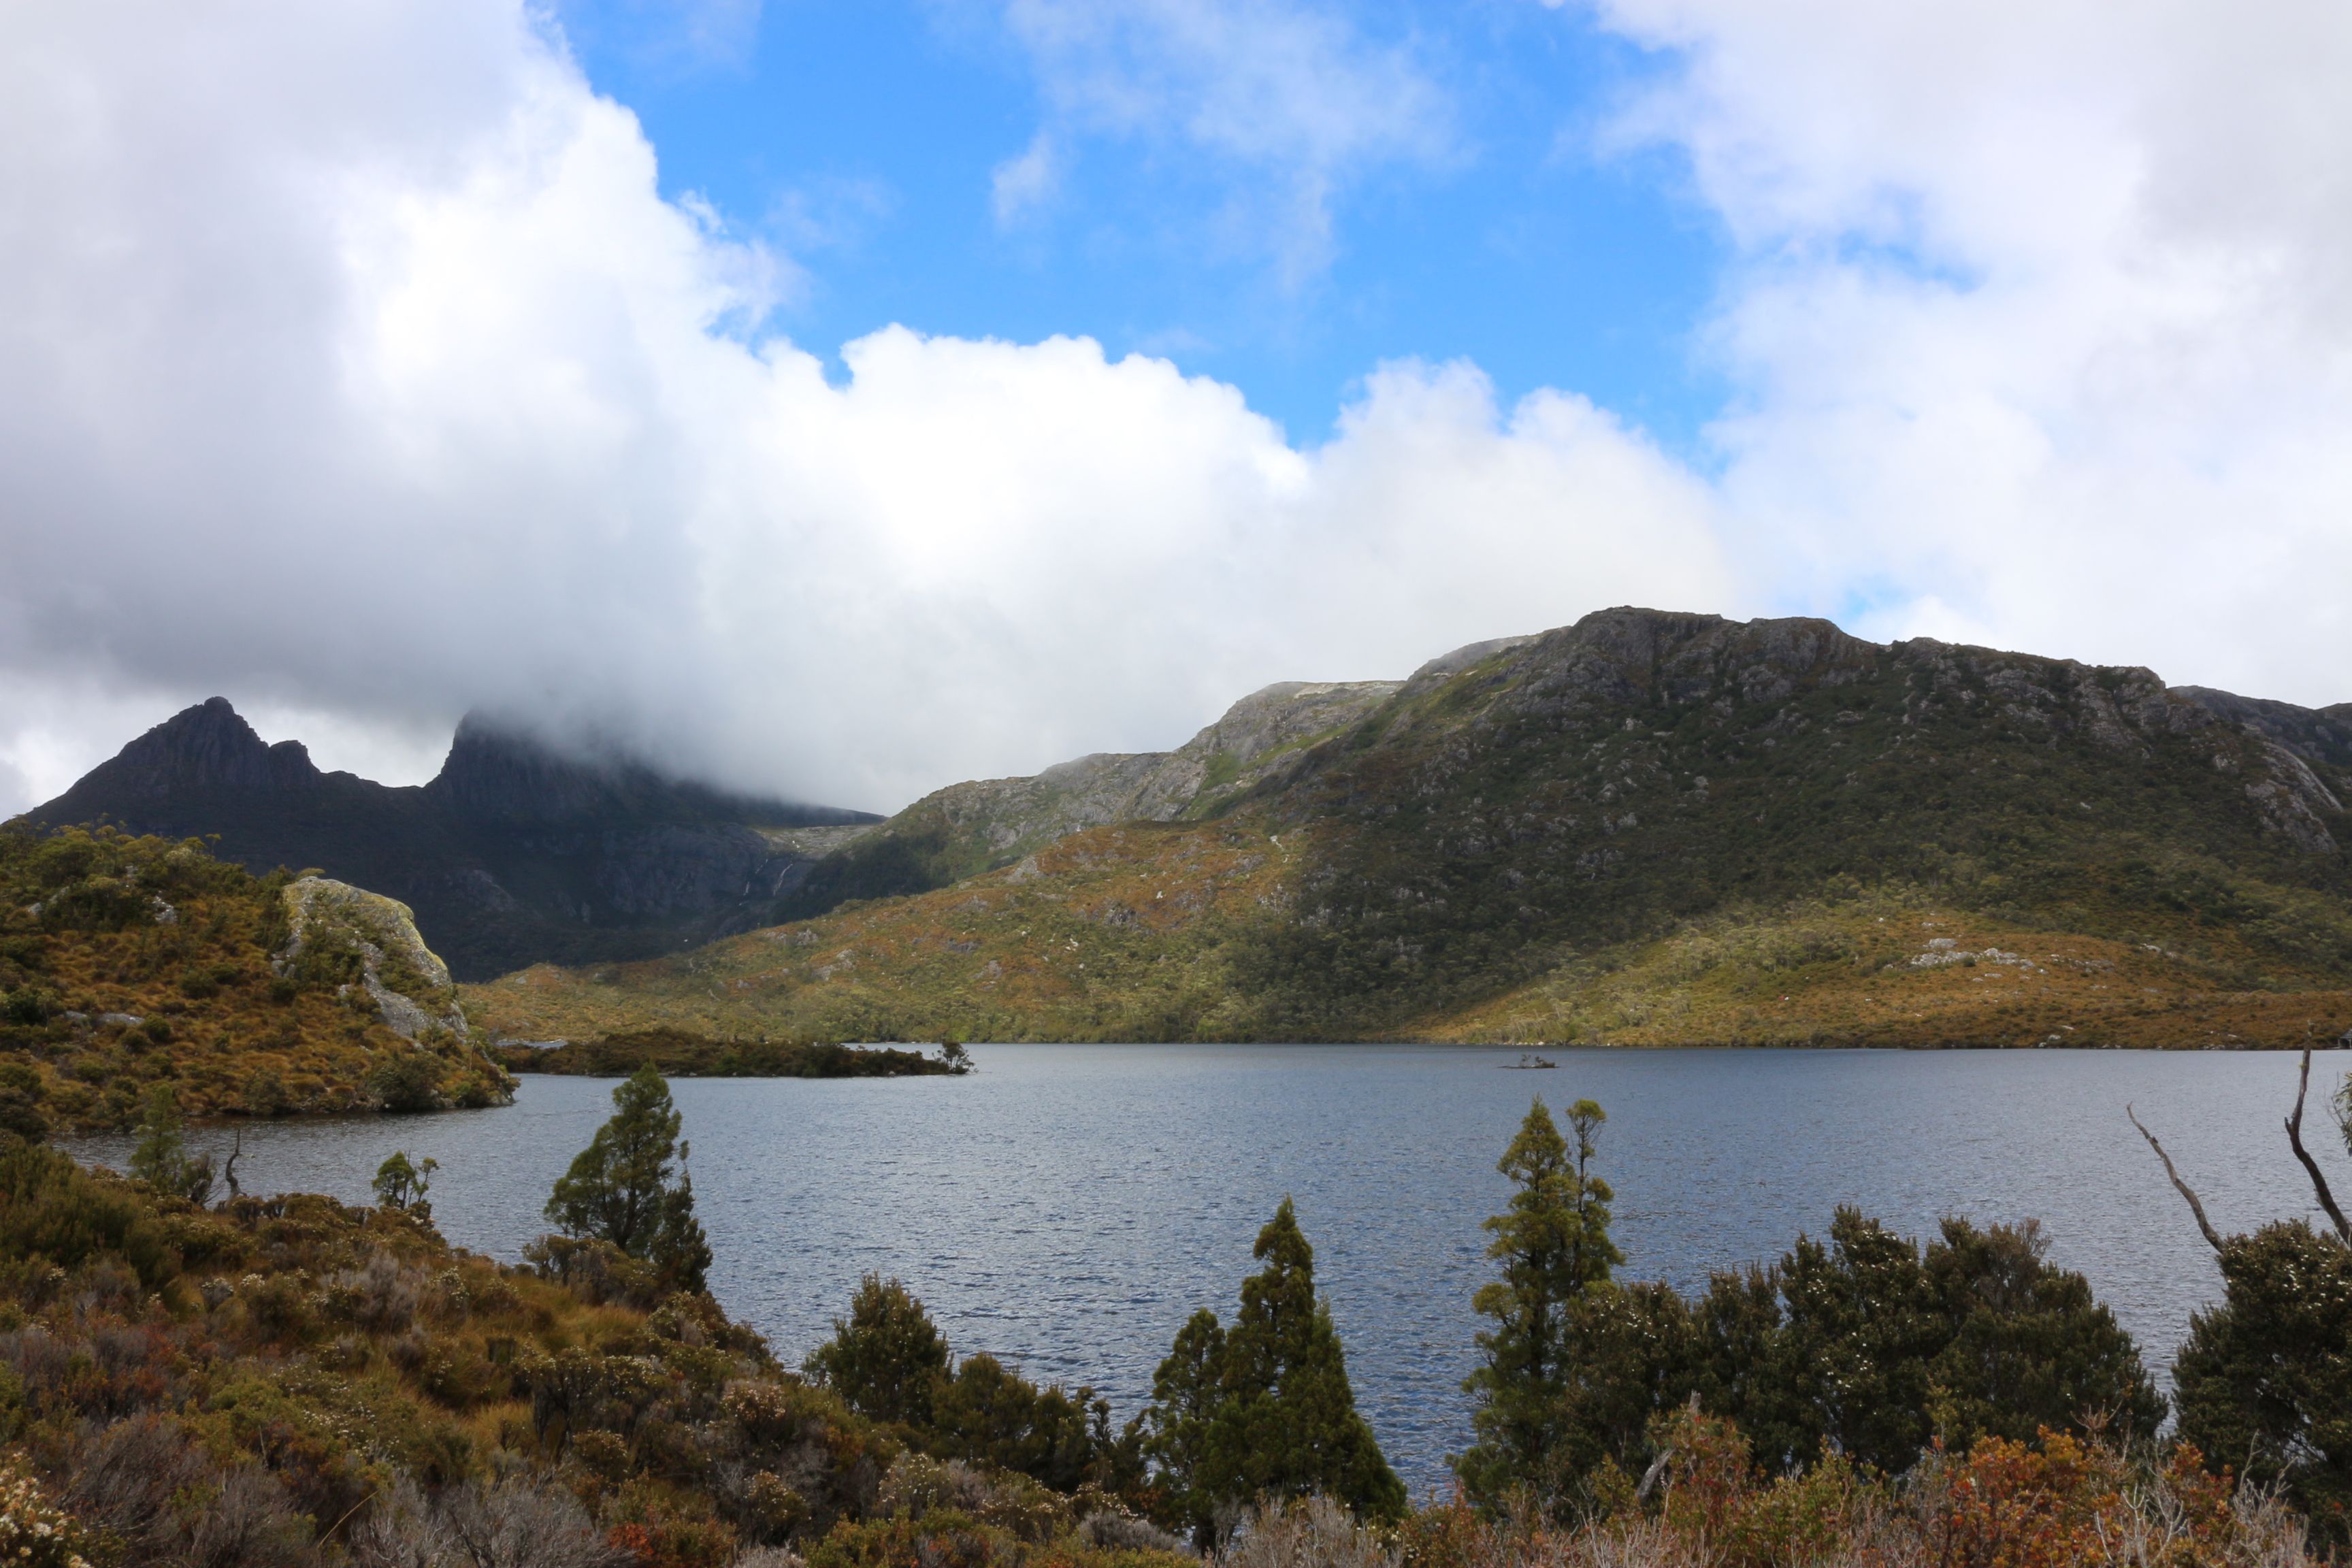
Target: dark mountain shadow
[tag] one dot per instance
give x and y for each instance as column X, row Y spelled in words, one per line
column 514, row 855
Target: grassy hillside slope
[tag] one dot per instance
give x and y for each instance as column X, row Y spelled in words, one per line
column 1115, row 934
column 1647, row 827
column 1261, row 742
column 126, row 962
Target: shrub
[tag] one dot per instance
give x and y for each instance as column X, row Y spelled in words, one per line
column 406, row 1079
column 595, row 1271
column 1298, row 1532
column 266, row 1094
column 53, row 1211
column 990, row 1416
column 34, row 1532
column 2266, row 1376
column 521, row 1522
column 28, row 1005
column 885, row 1359
column 1867, row 1344
column 21, row 1094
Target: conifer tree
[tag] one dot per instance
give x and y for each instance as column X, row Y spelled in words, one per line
column 885, row 1359
column 1265, row 1409
column 620, row 1188
column 1554, row 1247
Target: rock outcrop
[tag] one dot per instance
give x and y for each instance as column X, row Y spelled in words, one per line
column 407, row 982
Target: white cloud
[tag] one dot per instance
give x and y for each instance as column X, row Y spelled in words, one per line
column 352, row 366
column 1021, row 184
column 673, row 35
column 1288, row 97
column 2043, row 325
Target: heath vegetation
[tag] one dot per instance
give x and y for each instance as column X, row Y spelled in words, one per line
column 133, row 965
column 292, row 1381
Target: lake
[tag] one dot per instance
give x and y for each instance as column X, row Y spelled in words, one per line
column 1067, row 1207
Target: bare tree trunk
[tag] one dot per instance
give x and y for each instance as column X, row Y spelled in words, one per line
column 2212, row 1237
column 2294, row 1141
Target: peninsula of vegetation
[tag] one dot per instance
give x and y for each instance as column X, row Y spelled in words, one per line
column 128, row 964
column 676, row 1054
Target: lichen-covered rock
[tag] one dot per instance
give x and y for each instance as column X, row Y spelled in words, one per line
column 374, row 937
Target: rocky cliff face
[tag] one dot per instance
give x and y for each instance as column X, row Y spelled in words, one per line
column 514, row 854
column 1641, row 768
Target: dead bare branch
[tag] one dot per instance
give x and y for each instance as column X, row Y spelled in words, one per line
column 2294, row 1141
column 2212, row 1237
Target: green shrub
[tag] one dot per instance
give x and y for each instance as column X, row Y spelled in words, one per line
column 885, row 1360
column 406, row 1079
column 2264, row 1379
column 54, row 1211
column 22, row 1093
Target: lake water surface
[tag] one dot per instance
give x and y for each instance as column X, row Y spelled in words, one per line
column 1067, row 1207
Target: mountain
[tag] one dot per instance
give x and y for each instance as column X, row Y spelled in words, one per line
column 1647, row 827
column 514, row 854
column 969, row 829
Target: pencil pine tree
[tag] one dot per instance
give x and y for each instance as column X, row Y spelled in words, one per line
column 886, row 1358
column 1553, row 1245
column 1265, row 1409
column 162, row 1159
column 620, row 1188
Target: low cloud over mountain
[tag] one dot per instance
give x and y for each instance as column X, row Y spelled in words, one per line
column 352, row 363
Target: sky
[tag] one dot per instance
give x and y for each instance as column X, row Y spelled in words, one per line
column 845, row 397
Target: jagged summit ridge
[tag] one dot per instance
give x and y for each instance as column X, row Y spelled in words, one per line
column 209, row 746
column 514, row 853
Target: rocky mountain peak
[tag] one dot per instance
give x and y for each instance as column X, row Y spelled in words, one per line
column 205, row 748
column 498, row 774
